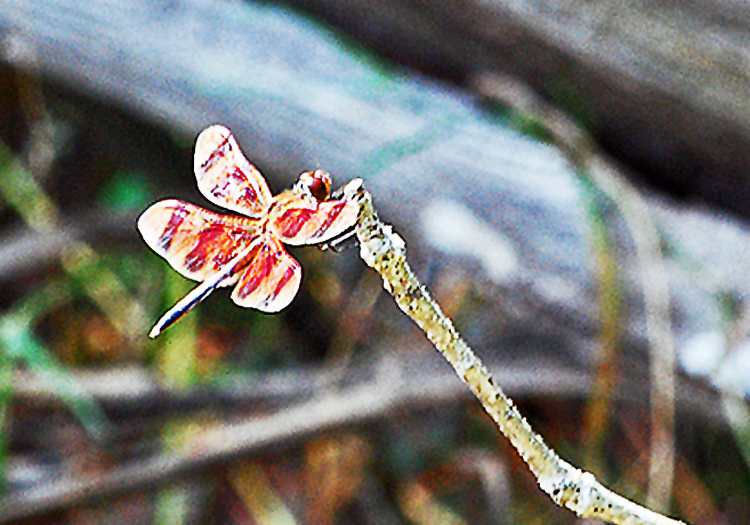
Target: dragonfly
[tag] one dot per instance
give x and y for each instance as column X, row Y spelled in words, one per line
column 247, row 249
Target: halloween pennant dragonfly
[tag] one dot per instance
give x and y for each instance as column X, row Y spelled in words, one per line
column 244, row 250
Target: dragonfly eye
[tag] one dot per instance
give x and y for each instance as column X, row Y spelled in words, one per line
column 316, row 183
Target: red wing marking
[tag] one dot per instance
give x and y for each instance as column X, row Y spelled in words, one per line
column 226, row 177
column 221, row 250
column 196, row 242
column 271, row 279
column 299, row 221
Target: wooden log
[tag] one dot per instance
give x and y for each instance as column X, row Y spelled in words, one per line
column 664, row 86
column 298, row 98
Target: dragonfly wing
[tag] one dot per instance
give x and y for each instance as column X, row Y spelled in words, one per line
column 271, row 280
column 196, row 242
column 226, row 177
column 297, row 220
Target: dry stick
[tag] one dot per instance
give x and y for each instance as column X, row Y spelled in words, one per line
column 385, row 251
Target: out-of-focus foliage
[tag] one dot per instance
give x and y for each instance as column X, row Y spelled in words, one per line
column 87, row 396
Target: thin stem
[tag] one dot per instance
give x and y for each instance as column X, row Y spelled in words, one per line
column 578, row 147
column 385, row 251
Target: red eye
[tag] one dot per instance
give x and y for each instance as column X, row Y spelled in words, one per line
column 318, row 184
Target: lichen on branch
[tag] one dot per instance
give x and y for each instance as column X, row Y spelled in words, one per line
column 385, row 251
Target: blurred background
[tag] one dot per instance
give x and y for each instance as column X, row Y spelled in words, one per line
column 571, row 181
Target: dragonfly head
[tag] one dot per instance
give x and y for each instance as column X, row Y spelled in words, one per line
column 316, row 184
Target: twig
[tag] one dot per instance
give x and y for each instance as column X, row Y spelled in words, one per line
column 384, row 250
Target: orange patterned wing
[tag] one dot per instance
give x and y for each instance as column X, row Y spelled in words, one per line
column 226, row 177
column 271, row 280
column 298, row 220
column 196, row 242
